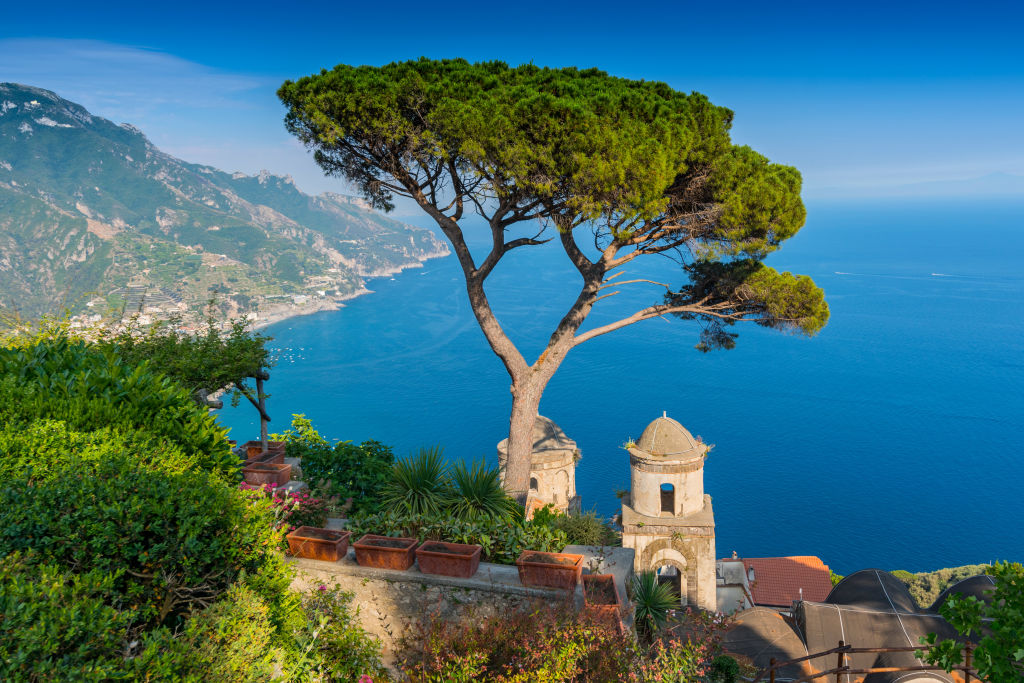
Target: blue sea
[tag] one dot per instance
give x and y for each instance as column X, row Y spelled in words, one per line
column 893, row 439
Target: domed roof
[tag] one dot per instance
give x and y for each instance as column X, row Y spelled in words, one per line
column 547, row 436
column 667, row 438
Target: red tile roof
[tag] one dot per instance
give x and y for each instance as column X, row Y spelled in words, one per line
column 778, row 580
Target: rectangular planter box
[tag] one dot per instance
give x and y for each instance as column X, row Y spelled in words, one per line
column 315, row 543
column 599, row 589
column 385, row 552
column 270, row 458
column 448, row 559
column 255, row 448
column 550, row 570
column 602, row 601
column 261, row 473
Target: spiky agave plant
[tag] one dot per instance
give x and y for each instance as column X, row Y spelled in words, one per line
column 419, row 484
column 478, row 494
column 653, row 602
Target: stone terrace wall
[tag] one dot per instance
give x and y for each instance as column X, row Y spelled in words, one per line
column 391, row 602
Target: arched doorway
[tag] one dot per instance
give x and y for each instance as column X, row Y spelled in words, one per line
column 672, row 568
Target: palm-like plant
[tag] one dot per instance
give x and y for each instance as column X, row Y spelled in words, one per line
column 653, row 602
column 419, row 484
column 478, row 494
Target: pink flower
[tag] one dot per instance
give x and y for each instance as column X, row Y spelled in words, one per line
column 365, row 679
column 322, row 588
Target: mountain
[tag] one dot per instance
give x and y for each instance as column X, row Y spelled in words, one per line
column 91, row 210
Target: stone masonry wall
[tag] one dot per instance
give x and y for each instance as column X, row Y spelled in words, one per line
column 393, row 602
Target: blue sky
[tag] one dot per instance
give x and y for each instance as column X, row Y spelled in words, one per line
column 866, row 99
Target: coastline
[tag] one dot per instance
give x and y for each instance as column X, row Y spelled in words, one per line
column 337, row 303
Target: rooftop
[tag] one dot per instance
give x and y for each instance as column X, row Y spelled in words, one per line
column 778, row 581
column 665, row 437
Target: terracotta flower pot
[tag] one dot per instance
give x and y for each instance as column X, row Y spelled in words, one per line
column 315, row 543
column 261, row 473
column 254, row 449
column 269, row 458
column 448, row 559
column 385, row 552
column 602, row 599
column 549, row 570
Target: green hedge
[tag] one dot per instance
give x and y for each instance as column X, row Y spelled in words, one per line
column 55, row 625
column 41, row 447
column 172, row 541
column 90, row 389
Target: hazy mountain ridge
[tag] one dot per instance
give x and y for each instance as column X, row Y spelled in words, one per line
column 90, row 206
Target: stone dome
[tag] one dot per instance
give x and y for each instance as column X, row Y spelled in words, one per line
column 666, row 438
column 547, row 436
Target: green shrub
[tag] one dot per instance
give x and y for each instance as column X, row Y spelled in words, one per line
column 653, row 601
column 477, row 494
column 554, row 643
column 91, row 389
column 724, row 669
column 233, row 641
column 334, row 646
column 341, row 471
column 172, row 541
column 419, row 484
column 548, row 643
column 502, row 541
column 58, row 626
column 41, row 447
column 291, row 510
column 579, row 528
column 925, row 587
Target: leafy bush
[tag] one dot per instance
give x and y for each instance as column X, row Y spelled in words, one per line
column 926, row 587
column 999, row 620
column 502, row 541
column 58, row 626
column 291, row 510
column 90, row 389
column 233, row 641
column 580, row 528
column 172, row 542
column 334, row 646
column 342, row 470
column 548, row 644
column 201, row 363
column 42, row 447
column 552, row 643
column 724, row 669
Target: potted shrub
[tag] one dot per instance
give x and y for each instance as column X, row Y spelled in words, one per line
column 316, row 543
column 385, row 552
column 550, row 570
column 261, row 473
column 448, row 559
column 602, row 598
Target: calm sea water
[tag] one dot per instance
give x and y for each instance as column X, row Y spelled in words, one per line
column 893, row 439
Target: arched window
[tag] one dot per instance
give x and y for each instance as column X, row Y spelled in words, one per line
column 668, row 499
column 533, row 483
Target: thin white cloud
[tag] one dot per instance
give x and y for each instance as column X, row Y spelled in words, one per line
column 110, row 79
column 198, row 113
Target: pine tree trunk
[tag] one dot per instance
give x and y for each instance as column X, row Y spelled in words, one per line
column 525, row 405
